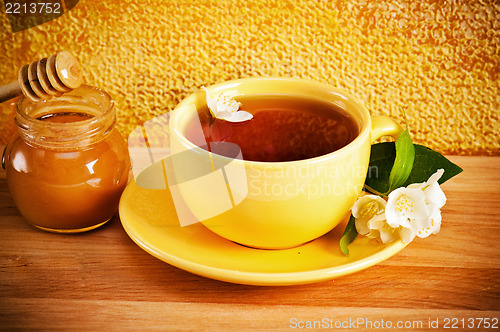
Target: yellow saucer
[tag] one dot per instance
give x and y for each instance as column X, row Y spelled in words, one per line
column 149, row 218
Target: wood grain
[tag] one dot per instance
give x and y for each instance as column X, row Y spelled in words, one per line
column 102, row 280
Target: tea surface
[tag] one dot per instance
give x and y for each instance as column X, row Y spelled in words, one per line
column 283, row 128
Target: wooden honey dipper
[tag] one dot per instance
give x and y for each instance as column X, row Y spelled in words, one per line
column 49, row 77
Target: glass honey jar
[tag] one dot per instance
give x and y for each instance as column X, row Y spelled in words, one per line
column 67, row 165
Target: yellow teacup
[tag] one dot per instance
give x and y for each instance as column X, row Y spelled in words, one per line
column 274, row 205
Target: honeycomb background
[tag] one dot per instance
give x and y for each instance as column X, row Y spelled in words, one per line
column 439, row 60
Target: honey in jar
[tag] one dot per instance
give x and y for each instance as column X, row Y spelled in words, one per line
column 67, row 165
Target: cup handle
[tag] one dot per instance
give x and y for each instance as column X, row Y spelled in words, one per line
column 385, row 126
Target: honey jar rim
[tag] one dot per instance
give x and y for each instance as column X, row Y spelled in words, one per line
column 86, row 99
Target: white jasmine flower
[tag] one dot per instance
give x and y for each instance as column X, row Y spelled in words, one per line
column 226, row 108
column 371, row 220
column 409, row 212
column 406, row 209
column 388, row 233
column 365, row 210
column 434, row 200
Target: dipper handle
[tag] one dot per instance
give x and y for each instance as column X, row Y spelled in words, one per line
column 46, row 78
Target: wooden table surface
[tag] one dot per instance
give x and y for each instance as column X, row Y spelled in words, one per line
column 103, row 280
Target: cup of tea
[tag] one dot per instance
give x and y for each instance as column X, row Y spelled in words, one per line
column 287, row 176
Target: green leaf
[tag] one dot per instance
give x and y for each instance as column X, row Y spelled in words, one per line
column 426, row 163
column 382, row 158
column 349, row 235
column 403, row 163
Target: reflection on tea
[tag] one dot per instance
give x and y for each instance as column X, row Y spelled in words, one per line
column 284, row 128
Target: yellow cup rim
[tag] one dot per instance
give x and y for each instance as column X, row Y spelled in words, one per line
column 364, row 133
